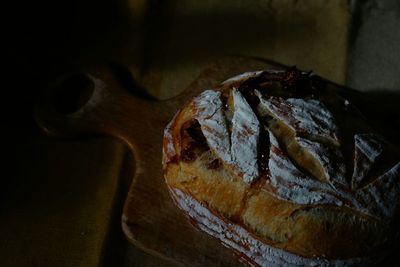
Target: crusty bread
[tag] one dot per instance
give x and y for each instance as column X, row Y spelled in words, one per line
column 284, row 171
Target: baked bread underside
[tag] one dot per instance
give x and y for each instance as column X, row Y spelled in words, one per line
column 284, row 171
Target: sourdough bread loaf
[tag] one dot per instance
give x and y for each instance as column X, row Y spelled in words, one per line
column 284, row 171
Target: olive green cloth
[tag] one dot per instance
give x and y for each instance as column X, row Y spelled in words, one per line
column 58, row 208
column 183, row 36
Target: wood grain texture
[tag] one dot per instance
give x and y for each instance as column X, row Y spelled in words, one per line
column 150, row 219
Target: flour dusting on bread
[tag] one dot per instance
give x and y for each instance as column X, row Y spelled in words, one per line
column 329, row 157
column 367, row 149
column 304, row 116
column 249, row 246
column 382, row 195
column 169, row 151
column 213, row 124
column 275, row 164
column 245, row 133
column 293, row 185
column 238, row 150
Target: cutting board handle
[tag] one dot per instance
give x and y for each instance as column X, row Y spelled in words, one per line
column 98, row 102
column 92, row 102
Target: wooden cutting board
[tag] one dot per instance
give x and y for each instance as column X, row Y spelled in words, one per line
column 110, row 104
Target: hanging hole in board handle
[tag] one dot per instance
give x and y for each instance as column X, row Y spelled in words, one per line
column 73, row 92
column 69, row 106
column 92, row 102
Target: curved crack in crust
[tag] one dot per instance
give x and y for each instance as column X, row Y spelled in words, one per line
column 304, row 116
column 330, row 160
column 290, row 184
column 308, row 131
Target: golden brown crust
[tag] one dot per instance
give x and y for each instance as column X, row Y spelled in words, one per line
column 334, row 224
column 334, row 233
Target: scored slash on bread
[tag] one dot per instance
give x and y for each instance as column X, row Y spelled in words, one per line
column 280, row 156
column 245, row 129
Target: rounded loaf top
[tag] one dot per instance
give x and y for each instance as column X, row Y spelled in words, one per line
column 282, row 156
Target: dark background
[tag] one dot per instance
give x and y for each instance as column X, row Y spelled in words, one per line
column 44, row 38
